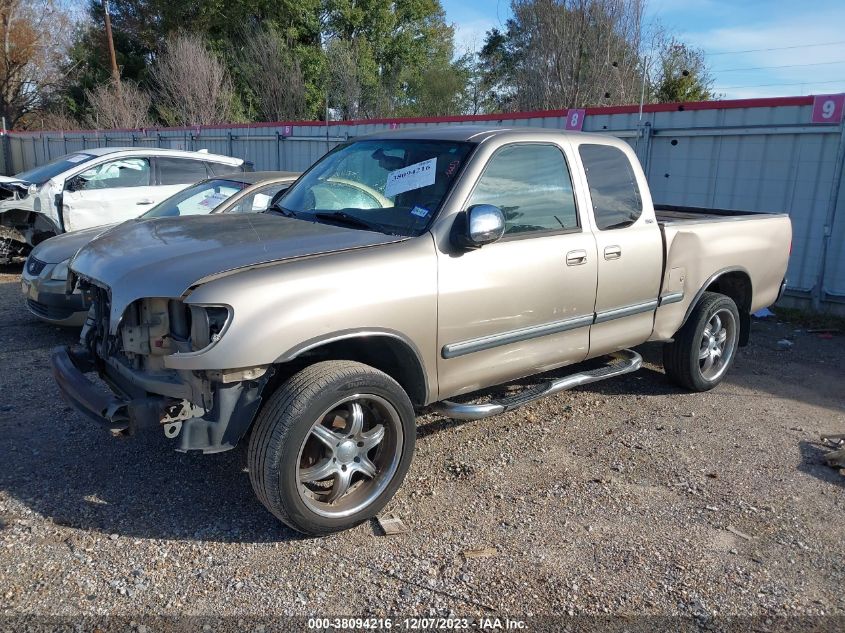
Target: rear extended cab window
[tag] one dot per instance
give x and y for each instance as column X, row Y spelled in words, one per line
column 613, row 186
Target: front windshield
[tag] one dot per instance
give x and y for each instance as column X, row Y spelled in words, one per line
column 200, row 199
column 41, row 174
column 393, row 186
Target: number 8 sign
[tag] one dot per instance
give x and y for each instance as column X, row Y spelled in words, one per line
column 575, row 119
column 828, row 108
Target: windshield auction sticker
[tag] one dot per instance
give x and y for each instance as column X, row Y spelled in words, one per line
column 411, row 177
column 214, row 199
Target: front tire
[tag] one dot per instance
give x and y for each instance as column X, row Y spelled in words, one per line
column 331, row 446
column 705, row 347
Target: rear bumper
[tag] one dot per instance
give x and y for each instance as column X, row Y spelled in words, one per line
column 112, row 411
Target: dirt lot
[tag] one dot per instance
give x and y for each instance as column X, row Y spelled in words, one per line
column 627, row 497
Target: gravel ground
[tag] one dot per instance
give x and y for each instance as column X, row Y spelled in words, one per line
column 627, row 497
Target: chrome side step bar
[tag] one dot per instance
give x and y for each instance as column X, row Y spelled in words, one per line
column 622, row 362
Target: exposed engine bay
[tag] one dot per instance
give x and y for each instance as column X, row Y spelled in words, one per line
column 206, row 410
column 29, row 214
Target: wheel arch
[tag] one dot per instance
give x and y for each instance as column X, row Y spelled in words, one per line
column 733, row 282
column 39, row 227
column 386, row 350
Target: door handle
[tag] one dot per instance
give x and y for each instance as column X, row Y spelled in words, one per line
column 612, row 252
column 576, row 258
column 144, row 201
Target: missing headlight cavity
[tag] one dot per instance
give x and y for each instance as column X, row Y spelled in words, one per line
column 207, row 323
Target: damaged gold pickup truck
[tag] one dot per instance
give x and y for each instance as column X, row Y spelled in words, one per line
column 405, row 272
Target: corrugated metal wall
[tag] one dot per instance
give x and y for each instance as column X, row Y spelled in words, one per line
column 756, row 155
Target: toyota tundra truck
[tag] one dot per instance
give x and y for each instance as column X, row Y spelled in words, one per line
column 406, row 272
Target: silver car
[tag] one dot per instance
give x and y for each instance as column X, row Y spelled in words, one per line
column 44, row 277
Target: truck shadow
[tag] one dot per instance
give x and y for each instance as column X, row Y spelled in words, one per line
column 136, row 487
column 73, row 472
column 646, row 381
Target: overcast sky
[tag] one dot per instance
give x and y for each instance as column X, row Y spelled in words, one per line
column 808, row 35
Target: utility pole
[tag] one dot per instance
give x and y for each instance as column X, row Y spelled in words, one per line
column 642, row 87
column 328, row 143
column 114, row 72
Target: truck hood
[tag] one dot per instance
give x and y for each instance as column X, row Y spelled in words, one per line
column 58, row 249
column 165, row 257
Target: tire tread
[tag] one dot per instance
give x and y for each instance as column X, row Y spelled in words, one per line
column 677, row 356
column 283, row 411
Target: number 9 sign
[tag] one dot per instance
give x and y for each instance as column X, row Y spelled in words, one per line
column 828, row 108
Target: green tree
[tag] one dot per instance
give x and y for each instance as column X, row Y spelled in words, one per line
column 142, row 27
column 495, row 73
column 403, row 53
column 369, row 58
column 683, row 75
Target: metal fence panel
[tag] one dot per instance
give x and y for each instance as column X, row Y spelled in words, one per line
column 758, row 156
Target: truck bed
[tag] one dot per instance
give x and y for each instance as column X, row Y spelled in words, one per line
column 674, row 214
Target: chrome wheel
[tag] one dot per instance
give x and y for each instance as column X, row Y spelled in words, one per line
column 718, row 342
column 349, row 456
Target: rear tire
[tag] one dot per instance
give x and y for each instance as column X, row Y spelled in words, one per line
column 331, row 446
column 705, row 347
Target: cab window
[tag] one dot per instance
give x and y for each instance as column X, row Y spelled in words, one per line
column 613, row 186
column 531, row 185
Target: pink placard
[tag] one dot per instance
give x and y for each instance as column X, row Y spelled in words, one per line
column 287, row 130
column 394, row 126
column 828, row 108
column 575, row 119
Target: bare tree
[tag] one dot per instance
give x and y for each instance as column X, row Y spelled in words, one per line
column 192, row 86
column 268, row 64
column 572, row 53
column 344, row 78
column 54, row 119
column 34, row 36
column 118, row 105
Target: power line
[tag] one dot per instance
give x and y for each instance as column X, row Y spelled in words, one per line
column 800, row 83
column 778, row 48
column 731, row 70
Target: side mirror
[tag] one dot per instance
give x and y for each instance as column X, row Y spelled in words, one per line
column 483, row 224
column 74, row 184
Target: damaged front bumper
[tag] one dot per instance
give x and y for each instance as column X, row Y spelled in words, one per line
column 118, row 413
column 218, row 429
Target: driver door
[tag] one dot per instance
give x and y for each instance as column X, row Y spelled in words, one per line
column 523, row 304
column 113, row 191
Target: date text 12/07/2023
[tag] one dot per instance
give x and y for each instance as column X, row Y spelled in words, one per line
column 417, row 624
